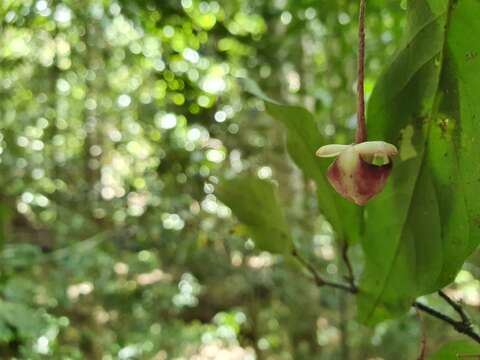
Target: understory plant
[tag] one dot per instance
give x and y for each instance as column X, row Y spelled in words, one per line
column 408, row 195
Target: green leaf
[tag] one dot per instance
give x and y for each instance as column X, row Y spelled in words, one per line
column 23, row 318
column 255, row 204
column 303, row 140
column 457, row 349
column 421, row 229
column 6, row 333
column 19, row 256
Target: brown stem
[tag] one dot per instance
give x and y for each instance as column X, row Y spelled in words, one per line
column 460, row 326
column 319, row 280
column 463, row 327
column 423, row 342
column 361, row 134
column 456, row 306
column 350, row 277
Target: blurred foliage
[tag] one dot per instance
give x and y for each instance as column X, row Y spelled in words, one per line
column 457, row 349
column 117, row 121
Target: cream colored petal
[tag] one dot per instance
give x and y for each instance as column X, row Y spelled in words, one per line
column 376, row 148
column 348, row 163
column 331, row 150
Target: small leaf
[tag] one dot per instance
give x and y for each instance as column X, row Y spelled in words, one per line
column 255, row 204
column 6, row 333
column 23, row 318
column 19, row 256
column 303, row 140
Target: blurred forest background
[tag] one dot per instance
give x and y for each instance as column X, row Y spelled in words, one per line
column 117, row 121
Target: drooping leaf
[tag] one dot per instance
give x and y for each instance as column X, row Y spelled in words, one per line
column 303, row 140
column 255, row 204
column 457, row 350
column 425, row 224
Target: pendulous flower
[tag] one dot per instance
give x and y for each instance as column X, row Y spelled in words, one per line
column 361, row 170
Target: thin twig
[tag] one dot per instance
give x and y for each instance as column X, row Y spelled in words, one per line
column 361, row 134
column 460, row 326
column 456, row 306
column 319, row 280
column 423, row 341
column 463, row 326
column 348, row 264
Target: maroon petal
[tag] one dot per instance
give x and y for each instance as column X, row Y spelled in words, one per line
column 359, row 183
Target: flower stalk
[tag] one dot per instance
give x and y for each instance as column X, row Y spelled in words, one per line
column 361, row 134
column 361, row 170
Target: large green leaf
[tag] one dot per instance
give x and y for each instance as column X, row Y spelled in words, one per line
column 425, row 224
column 457, row 350
column 255, row 204
column 303, row 140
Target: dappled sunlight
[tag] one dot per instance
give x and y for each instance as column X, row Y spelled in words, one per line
column 153, row 277
column 160, row 196
column 77, row 290
column 221, row 352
